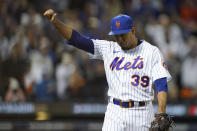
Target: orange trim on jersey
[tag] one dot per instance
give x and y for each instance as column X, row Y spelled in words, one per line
column 135, row 81
column 129, row 67
column 163, row 63
column 112, row 62
column 141, row 83
column 117, row 61
column 140, row 58
column 120, row 68
column 142, row 64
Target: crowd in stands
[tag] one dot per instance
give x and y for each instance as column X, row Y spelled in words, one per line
column 37, row 64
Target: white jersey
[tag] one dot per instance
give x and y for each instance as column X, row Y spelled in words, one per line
column 130, row 74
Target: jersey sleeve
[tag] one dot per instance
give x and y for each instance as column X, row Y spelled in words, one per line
column 101, row 48
column 159, row 67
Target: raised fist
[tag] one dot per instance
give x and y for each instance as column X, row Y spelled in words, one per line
column 50, row 15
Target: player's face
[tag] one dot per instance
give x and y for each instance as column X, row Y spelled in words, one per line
column 125, row 40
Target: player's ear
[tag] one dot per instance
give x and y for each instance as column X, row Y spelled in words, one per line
column 133, row 30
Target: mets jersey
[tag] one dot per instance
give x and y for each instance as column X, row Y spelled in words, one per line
column 131, row 73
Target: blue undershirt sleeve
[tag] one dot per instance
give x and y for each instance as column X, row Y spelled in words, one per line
column 81, row 42
column 161, row 84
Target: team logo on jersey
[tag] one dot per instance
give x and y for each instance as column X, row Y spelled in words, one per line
column 164, row 64
column 136, row 64
column 117, row 24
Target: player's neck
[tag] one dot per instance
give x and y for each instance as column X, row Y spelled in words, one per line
column 134, row 44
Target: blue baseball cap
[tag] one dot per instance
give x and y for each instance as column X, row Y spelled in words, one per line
column 121, row 24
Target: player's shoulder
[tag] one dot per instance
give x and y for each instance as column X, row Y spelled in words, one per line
column 104, row 43
column 101, row 41
column 150, row 47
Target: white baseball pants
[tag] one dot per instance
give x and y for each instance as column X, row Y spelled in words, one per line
column 128, row 119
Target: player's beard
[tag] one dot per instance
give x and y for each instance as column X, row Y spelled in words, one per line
column 124, row 46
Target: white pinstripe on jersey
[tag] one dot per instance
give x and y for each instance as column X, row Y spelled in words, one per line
column 143, row 64
column 120, row 77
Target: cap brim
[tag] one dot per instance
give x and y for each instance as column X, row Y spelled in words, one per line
column 119, row 32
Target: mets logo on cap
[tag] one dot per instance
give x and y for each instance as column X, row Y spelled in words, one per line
column 117, row 24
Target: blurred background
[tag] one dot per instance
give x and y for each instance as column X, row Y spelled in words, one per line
column 47, row 85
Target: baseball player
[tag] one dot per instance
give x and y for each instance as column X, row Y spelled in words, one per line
column 133, row 67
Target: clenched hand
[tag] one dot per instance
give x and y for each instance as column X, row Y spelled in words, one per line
column 50, row 15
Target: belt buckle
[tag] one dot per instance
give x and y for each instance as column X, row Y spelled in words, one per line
column 130, row 104
column 121, row 104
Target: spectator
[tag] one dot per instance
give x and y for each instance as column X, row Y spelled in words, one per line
column 21, row 22
column 15, row 66
column 167, row 36
column 41, row 62
column 44, row 90
column 189, row 71
column 64, row 71
column 76, row 83
column 41, row 71
column 31, row 17
column 188, row 11
column 14, row 92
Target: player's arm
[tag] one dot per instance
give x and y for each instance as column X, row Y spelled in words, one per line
column 64, row 30
column 162, row 100
column 69, row 34
column 162, row 121
column 161, row 89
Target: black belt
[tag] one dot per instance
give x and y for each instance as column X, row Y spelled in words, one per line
column 127, row 104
